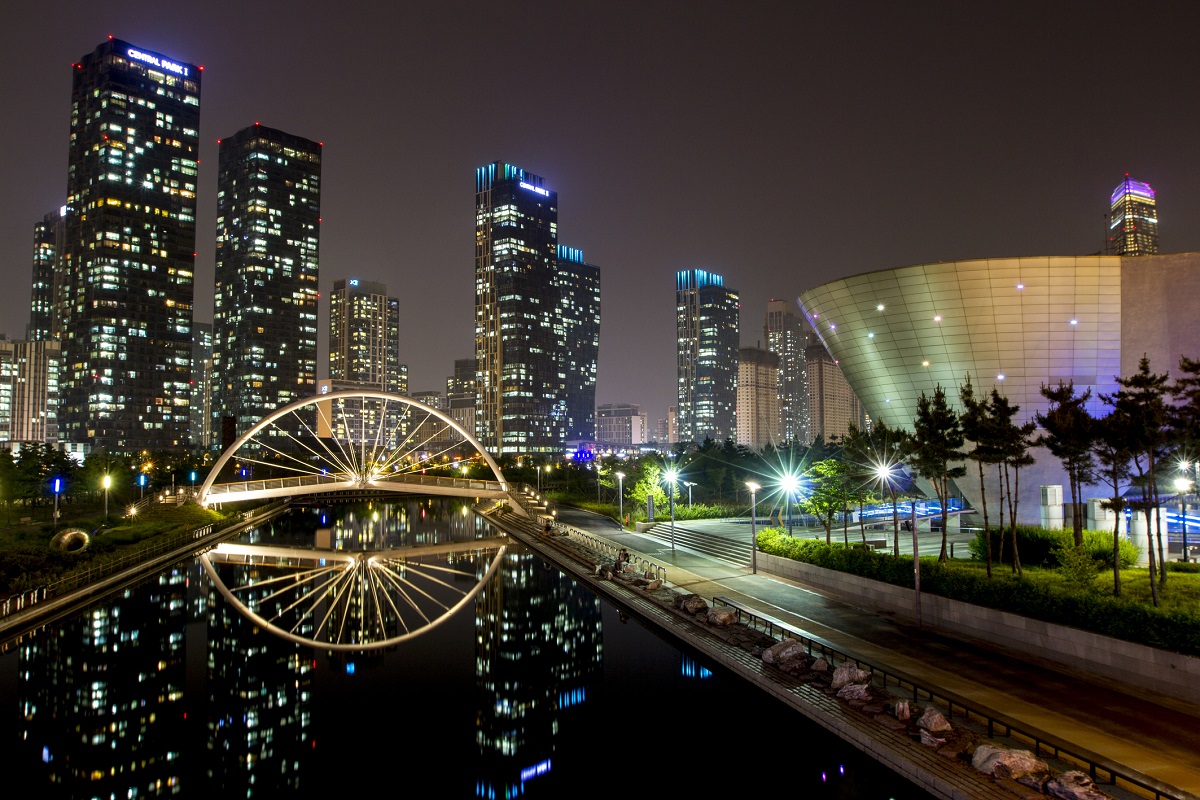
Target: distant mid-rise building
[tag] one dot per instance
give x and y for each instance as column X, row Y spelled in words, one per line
column 833, row 406
column 460, row 394
column 787, row 336
column 706, row 321
column 620, row 424
column 202, row 436
column 1133, row 219
column 265, row 309
column 28, row 392
column 127, row 261
column 758, row 422
column 537, row 319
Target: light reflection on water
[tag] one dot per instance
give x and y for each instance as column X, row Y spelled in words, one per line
column 544, row 689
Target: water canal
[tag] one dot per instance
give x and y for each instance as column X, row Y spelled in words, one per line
column 535, row 688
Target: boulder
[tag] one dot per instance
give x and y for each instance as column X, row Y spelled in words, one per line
column 855, row 691
column 1074, row 785
column 721, row 617
column 929, row 740
column 1004, row 763
column 654, row 584
column 901, row 710
column 820, row 665
column 693, row 604
column 849, row 673
column 784, row 650
column 933, row 721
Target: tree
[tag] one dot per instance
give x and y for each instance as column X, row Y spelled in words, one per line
column 872, row 456
column 1069, row 437
column 1013, row 442
column 937, row 443
column 978, row 428
column 1141, row 403
column 1113, row 451
column 828, row 494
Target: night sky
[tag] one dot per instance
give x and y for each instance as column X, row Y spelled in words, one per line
column 779, row 144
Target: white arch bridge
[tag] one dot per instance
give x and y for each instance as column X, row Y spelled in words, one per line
column 355, row 440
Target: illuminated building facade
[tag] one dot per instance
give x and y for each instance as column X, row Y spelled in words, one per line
column 460, row 394
column 44, row 323
column 758, row 422
column 579, row 348
column 620, row 424
column 786, row 335
column 1013, row 324
column 202, row 413
column 833, row 406
column 29, row 391
column 128, row 250
column 537, row 319
column 1133, row 220
column 706, row 322
column 364, row 335
column 265, row 308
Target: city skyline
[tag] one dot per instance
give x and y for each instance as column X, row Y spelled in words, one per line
column 780, row 146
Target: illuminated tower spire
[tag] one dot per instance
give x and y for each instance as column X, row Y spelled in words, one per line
column 1133, row 222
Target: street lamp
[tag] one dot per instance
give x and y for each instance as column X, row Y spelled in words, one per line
column 57, row 489
column 789, row 483
column 1182, row 487
column 108, row 483
column 621, row 498
column 753, row 487
column 689, row 484
column 193, row 476
column 539, row 479
column 884, row 473
column 671, row 477
column 141, row 485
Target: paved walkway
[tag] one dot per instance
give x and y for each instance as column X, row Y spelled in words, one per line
column 1132, row 725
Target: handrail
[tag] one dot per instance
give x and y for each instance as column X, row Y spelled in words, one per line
column 1095, row 763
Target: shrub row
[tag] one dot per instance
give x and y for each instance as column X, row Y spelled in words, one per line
column 1039, row 547
column 1098, row 613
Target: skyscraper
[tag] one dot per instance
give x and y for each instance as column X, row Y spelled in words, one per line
column 364, row 335
column 48, row 276
column 128, row 254
column 706, row 322
column 460, row 394
column 786, row 336
column 520, row 329
column 202, row 436
column 1133, row 221
column 579, row 308
column 758, row 422
column 832, row 403
column 265, row 309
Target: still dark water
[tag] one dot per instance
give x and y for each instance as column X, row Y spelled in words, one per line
column 535, row 688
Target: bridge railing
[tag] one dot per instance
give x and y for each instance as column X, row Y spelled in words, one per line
column 266, row 484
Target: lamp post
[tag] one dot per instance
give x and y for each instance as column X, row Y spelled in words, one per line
column 1182, row 487
column 141, row 485
column 884, row 472
column 689, row 484
column 57, row 489
column 753, row 487
column 539, row 479
column 108, row 483
column 672, row 476
column 193, row 477
column 621, row 498
column 916, row 565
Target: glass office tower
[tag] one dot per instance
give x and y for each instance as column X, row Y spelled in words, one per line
column 1133, row 221
column 579, row 309
column 128, row 250
column 706, row 321
column 265, row 310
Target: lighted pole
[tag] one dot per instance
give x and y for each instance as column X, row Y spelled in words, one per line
column 107, row 483
column 57, row 489
column 916, row 565
column 621, row 498
column 539, row 479
column 789, row 483
column 671, row 476
column 689, row 484
column 1182, row 486
column 753, row 487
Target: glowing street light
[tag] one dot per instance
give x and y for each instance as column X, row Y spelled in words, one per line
column 689, row 484
column 141, row 485
column 108, row 483
column 621, row 498
column 57, row 489
column 672, row 476
column 753, row 487
column 789, row 483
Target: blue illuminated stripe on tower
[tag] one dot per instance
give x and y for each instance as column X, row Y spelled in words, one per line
column 570, row 254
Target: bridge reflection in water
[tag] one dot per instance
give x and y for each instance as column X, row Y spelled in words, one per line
column 535, row 689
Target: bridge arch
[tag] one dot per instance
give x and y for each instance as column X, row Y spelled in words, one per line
column 352, row 439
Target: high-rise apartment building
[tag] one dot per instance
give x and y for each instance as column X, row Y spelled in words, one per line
column 579, row 308
column 460, row 394
column 128, row 250
column 832, row 403
column 536, row 319
column 1133, row 219
column 364, row 335
column 706, row 322
column 265, row 309
column 29, row 373
column 787, row 336
column 758, row 422
column 44, row 323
